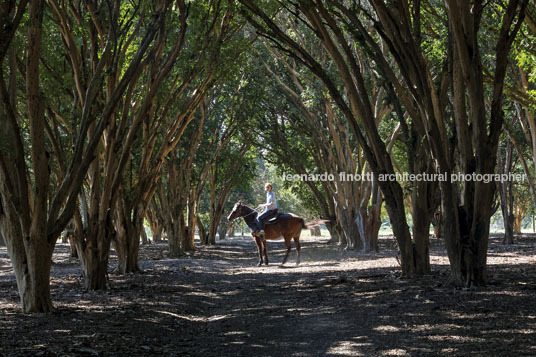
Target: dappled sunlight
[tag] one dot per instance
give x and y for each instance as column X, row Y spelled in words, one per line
column 457, row 338
column 395, row 352
column 345, row 348
column 386, row 328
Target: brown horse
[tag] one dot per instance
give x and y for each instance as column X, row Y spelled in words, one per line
column 288, row 226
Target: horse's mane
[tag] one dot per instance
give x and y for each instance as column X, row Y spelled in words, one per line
column 248, row 209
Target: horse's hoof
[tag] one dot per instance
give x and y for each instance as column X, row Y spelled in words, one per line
column 266, row 263
column 260, row 264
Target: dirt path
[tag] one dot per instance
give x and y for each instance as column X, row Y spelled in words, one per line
column 218, row 303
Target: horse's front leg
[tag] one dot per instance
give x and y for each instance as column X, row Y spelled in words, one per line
column 258, row 242
column 265, row 248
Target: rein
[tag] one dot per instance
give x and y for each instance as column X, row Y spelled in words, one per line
column 250, row 213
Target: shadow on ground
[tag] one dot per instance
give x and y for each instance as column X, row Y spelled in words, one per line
column 217, row 302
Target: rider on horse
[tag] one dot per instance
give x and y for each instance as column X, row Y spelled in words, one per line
column 270, row 210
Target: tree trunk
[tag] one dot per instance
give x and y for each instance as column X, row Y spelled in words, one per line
column 520, row 213
column 203, row 235
column 127, row 246
column 93, row 251
column 154, row 216
column 176, row 229
column 143, row 236
column 371, row 228
column 335, row 233
column 69, row 237
column 421, row 227
column 222, row 230
column 230, row 231
column 397, row 214
column 350, row 237
column 31, row 264
column 189, row 238
column 479, row 236
column 508, row 220
column 127, row 242
column 315, row 231
column 506, row 198
column 436, row 222
column 451, row 232
column 157, row 231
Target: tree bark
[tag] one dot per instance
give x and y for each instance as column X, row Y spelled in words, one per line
column 505, row 189
column 127, row 246
column 223, row 229
column 143, row 235
column 188, row 239
column 93, row 247
column 519, row 215
column 203, row 235
column 31, row 264
column 421, row 227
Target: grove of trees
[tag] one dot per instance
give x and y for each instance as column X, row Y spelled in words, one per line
column 118, row 115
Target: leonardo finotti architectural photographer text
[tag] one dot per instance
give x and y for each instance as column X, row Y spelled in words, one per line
column 406, row 177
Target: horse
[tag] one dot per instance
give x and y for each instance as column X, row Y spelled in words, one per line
column 288, row 226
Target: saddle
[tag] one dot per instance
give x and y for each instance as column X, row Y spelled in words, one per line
column 273, row 219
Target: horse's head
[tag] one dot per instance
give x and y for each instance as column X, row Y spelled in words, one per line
column 236, row 212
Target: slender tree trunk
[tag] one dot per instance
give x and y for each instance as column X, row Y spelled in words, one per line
column 203, row 235
column 127, row 246
column 69, row 237
column 350, row 237
column 143, row 235
column 436, row 222
column 223, row 230
column 335, row 233
column 504, row 166
column 157, row 231
column 397, row 214
column 315, row 232
column 484, row 194
column 189, row 237
column 520, row 213
column 156, row 220
column 230, row 231
column 93, row 249
column 451, row 232
column 369, row 225
column 176, row 229
column 421, row 227
column 127, row 242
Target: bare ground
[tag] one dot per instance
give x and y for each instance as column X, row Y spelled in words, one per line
column 217, row 302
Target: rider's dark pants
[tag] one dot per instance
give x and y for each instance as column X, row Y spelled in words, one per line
column 265, row 216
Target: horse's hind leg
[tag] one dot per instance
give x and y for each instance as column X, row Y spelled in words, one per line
column 298, row 248
column 265, row 248
column 258, row 242
column 287, row 244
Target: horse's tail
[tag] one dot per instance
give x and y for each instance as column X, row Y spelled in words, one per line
column 313, row 224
